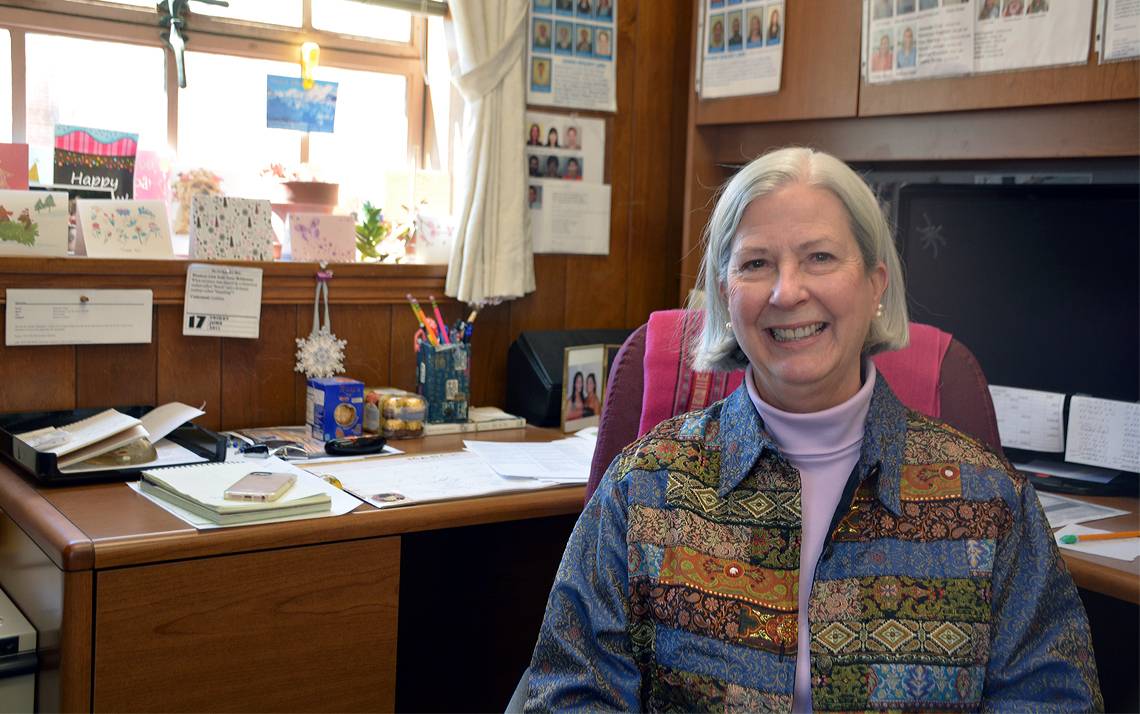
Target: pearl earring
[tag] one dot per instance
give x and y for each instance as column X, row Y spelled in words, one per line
column 728, row 325
column 879, row 311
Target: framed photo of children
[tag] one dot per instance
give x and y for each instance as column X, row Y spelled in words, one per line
column 583, row 377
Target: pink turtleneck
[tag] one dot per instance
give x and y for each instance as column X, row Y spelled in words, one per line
column 824, row 447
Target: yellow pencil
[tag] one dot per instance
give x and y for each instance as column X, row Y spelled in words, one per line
column 1070, row 539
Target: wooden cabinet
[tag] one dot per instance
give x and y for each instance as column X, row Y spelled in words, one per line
column 1089, row 110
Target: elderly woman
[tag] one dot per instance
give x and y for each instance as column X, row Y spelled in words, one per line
column 809, row 543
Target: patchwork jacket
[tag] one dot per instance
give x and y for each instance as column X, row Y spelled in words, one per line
column 940, row 586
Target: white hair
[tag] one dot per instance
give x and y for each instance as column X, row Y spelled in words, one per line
column 715, row 347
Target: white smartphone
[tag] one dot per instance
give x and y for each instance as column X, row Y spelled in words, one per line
column 260, row 486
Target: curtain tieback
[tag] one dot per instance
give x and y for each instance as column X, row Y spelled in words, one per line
column 477, row 82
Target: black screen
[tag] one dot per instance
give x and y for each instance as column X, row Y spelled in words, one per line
column 1042, row 283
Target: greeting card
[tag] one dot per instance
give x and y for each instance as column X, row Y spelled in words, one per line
column 96, row 158
column 320, row 236
column 14, row 166
column 33, row 223
column 125, row 229
column 224, row 228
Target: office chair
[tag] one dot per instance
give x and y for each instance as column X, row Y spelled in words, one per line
column 650, row 382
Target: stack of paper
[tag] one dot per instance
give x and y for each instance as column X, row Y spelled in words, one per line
column 563, row 461
column 200, row 489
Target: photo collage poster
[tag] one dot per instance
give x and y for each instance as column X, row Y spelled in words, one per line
column 568, row 201
column 1119, row 35
column 920, row 39
column 742, row 48
column 572, row 54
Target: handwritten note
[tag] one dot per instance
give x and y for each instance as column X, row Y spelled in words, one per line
column 1103, row 432
column 1029, row 419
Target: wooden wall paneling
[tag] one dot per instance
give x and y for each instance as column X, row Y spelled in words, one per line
column 258, row 381
column 402, row 354
column 189, row 368
column 490, row 340
column 820, row 69
column 117, row 375
column 367, row 330
column 33, row 378
column 703, row 178
column 596, row 286
column 1102, row 129
column 657, row 162
column 545, row 308
column 160, row 625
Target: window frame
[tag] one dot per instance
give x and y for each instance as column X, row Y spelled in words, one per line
column 97, row 20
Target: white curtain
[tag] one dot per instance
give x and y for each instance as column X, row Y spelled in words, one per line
column 493, row 256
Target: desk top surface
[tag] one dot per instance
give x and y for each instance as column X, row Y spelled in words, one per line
column 109, row 525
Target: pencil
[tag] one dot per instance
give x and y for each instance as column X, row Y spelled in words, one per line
column 1070, row 539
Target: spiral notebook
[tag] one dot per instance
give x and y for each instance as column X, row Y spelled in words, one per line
column 200, row 489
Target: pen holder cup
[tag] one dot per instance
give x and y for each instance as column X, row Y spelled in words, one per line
column 443, row 378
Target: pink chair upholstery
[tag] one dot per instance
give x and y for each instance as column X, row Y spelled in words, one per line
column 649, row 382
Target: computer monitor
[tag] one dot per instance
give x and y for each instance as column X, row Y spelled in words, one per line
column 1041, row 282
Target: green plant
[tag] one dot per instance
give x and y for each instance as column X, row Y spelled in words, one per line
column 371, row 231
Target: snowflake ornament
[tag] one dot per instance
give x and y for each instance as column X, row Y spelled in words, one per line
column 320, row 354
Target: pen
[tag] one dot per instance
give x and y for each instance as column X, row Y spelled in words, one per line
column 1070, row 539
column 439, row 320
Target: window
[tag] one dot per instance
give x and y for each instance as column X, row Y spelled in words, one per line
column 5, row 87
column 104, row 64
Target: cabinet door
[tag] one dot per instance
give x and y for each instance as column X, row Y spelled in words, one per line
column 820, row 70
column 298, row 629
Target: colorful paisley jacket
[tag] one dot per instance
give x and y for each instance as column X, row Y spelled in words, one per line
column 940, row 588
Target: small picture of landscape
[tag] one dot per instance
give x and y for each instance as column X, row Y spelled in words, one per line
column 33, row 223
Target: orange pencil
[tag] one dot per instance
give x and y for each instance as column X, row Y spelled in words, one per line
column 1070, row 539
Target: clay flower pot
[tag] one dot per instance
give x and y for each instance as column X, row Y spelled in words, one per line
column 313, row 192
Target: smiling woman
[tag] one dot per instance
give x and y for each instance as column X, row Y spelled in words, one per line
column 809, row 512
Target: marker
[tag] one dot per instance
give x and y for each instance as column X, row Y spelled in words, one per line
column 439, row 320
column 1070, row 539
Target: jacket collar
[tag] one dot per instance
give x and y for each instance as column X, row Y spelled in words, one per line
column 742, row 439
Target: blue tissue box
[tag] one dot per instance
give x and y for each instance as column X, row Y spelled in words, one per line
column 334, row 407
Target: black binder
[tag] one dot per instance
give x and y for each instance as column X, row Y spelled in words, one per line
column 45, row 470
column 534, row 370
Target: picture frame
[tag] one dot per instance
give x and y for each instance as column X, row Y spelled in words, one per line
column 583, row 386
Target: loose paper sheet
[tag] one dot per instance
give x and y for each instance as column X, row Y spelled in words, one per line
column 1104, row 432
column 1029, row 418
column 419, row 479
column 741, row 49
column 78, row 317
column 1033, row 33
column 1120, row 33
column 563, row 461
column 571, row 54
column 222, row 301
column 1061, row 511
column 571, row 218
column 1119, row 548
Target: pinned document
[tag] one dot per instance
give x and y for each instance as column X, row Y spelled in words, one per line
column 1029, row 418
column 1104, row 432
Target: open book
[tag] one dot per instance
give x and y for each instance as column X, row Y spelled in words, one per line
column 200, row 489
column 106, row 431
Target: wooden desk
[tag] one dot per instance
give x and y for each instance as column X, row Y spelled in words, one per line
column 1116, row 578
column 139, row 611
